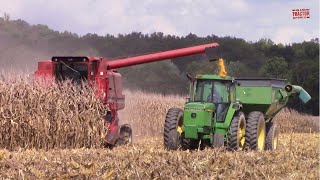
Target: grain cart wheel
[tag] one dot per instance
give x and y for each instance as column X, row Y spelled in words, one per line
column 272, row 139
column 236, row 133
column 172, row 129
column 125, row 135
column 255, row 131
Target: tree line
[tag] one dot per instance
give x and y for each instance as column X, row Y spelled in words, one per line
column 22, row 45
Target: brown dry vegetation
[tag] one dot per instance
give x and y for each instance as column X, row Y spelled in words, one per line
column 32, row 115
column 292, row 121
column 146, row 113
column 26, row 120
column 297, row 158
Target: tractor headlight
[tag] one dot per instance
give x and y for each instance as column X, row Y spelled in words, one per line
column 193, row 115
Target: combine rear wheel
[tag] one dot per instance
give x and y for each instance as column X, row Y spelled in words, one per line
column 173, row 129
column 272, row 139
column 255, row 131
column 236, row 134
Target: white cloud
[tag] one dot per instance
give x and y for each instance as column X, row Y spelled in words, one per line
column 156, row 23
column 238, row 6
column 287, row 35
column 246, row 19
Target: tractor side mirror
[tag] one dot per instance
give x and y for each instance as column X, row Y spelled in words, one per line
column 236, row 82
column 190, row 78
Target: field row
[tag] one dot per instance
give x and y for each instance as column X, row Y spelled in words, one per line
column 297, row 158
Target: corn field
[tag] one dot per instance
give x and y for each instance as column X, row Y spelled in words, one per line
column 39, row 115
column 50, row 131
column 146, row 112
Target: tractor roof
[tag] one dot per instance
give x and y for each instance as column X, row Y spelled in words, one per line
column 213, row 77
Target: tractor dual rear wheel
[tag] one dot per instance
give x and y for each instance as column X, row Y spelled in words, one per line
column 173, row 129
column 255, row 131
column 236, row 133
column 272, row 139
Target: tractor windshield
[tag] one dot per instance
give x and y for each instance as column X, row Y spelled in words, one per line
column 76, row 72
column 216, row 91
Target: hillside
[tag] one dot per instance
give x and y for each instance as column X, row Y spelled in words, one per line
column 22, row 45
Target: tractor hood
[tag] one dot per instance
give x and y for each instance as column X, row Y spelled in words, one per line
column 197, row 106
column 197, row 118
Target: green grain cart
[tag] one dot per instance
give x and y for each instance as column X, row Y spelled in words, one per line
column 231, row 112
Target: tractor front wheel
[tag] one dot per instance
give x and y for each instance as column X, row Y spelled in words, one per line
column 255, row 131
column 272, row 139
column 172, row 129
column 236, row 134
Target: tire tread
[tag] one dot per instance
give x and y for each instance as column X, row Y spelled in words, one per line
column 252, row 130
column 171, row 123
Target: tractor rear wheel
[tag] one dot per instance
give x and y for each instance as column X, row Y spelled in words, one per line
column 272, row 139
column 255, row 131
column 172, row 129
column 236, row 133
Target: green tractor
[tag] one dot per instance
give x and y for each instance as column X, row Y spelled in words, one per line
column 232, row 112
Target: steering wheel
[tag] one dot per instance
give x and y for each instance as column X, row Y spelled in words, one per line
column 214, row 98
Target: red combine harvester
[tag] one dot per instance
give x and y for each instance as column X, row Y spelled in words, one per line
column 101, row 73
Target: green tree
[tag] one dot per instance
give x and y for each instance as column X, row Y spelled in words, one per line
column 276, row 67
column 263, row 58
column 239, row 69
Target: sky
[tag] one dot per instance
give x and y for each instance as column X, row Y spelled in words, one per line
column 248, row 19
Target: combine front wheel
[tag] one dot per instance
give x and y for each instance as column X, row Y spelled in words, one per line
column 272, row 139
column 172, row 129
column 256, row 131
column 236, row 134
column 125, row 135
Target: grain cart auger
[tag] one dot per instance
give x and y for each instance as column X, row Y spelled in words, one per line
column 101, row 73
column 232, row 112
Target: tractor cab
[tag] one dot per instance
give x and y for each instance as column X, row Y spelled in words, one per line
column 210, row 99
column 214, row 90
